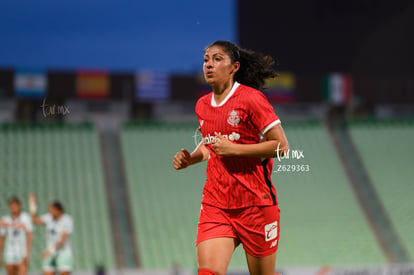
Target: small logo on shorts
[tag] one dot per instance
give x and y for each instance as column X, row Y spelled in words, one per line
column 274, row 243
column 270, row 231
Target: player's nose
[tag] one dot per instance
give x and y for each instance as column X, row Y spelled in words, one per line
column 208, row 64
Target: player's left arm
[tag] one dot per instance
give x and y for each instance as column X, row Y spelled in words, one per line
column 52, row 249
column 29, row 242
column 2, row 240
column 275, row 144
column 62, row 240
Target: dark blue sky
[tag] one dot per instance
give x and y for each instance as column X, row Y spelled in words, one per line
column 118, row 35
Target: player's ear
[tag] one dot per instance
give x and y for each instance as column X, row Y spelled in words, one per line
column 236, row 66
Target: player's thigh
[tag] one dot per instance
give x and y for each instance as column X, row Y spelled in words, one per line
column 23, row 268
column 12, row 269
column 215, row 254
column 64, row 262
column 48, row 266
column 261, row 265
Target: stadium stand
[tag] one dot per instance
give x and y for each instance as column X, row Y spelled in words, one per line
column 384, row 146
column 62, row 162
column 321, row 222
column 165, row 203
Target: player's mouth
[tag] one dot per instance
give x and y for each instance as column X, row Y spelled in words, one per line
column 209, row 74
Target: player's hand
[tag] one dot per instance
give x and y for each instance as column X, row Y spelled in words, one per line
column 223, row 146
column 1, row 260
column 25, row 261
column 181, row 159
column 32, row 204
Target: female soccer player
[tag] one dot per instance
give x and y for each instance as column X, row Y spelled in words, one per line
column 59, row 226
column 241, row 134
column 17, row 239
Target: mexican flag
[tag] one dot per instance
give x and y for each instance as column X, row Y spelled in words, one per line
column 338, row 88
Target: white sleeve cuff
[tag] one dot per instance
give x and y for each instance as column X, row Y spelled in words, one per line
column 270, row 126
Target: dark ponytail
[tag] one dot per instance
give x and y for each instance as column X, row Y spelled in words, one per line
column 255, row 67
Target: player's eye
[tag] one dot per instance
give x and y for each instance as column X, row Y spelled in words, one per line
column 217, row 59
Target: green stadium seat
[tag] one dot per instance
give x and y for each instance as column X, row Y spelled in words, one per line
column 386, row 148
column 321, row 222
column 60, row 162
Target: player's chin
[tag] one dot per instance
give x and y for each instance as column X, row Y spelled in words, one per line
column 210, row 80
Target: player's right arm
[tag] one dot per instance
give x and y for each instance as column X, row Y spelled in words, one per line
column 36, row 219
column 184, row 159
column 33, row 209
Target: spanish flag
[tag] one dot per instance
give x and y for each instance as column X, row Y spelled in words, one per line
column 92, row 84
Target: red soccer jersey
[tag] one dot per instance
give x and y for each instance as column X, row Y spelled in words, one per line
column 243, row 117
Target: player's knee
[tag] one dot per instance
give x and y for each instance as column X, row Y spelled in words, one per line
column 206, row 271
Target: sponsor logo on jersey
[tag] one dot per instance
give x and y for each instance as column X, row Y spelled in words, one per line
column 209, row 139
column 233, row 118
column 270, row 231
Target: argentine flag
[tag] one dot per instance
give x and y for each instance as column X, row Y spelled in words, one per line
column 30, row 83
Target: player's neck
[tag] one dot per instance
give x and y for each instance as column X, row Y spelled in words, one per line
column 57, row 217
column 15, row 216
column 220, row 91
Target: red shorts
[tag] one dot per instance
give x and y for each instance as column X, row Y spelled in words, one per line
column 256, row 227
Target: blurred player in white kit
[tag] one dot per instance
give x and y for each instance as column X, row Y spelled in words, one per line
column 59, row 226
column 16, row 238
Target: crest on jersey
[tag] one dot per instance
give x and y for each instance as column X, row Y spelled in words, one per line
column 234, row 136
column 233, row 118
